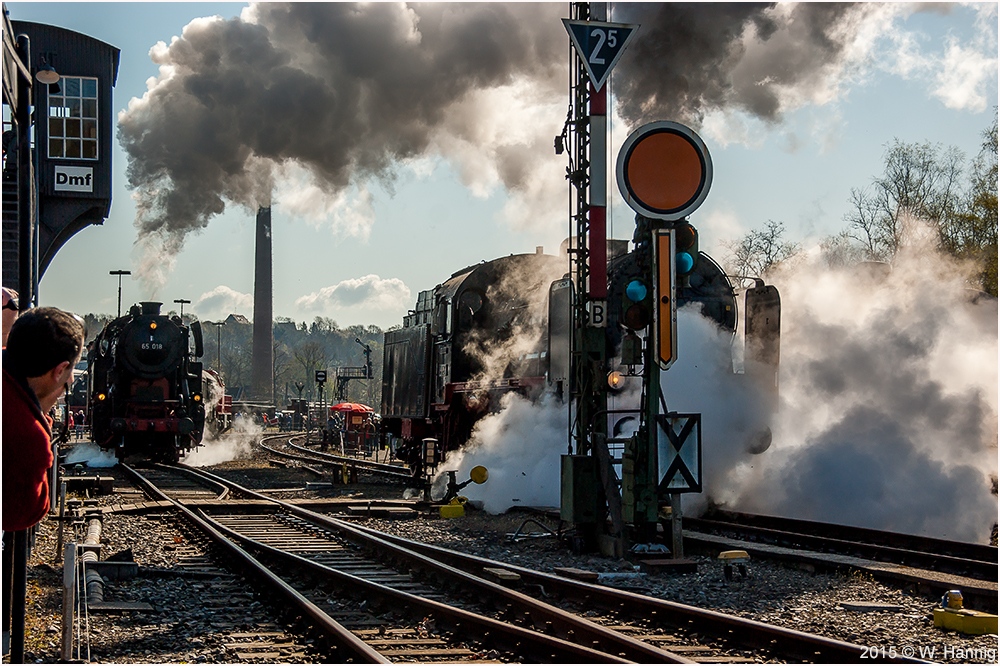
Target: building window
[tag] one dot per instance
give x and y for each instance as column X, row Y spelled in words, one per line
column 73, row 119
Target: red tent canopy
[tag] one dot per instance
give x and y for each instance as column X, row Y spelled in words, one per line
column 351, row 407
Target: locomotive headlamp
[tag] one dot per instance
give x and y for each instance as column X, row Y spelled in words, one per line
column 615, row 380
column 196, row 397
column 152, row 325
column 101, row 397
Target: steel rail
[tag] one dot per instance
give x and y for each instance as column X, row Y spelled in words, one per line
column 385, row 468
column 746, row 632
column 534, row 645
column 562, row 622
column 979, row 560
column 339, row 635
column 323, row 458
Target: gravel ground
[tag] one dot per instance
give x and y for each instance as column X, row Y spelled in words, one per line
column 181, row 631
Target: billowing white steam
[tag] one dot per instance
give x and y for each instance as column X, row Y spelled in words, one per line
column 520, row 446
column 230, row 445
column 889, row 401
column 91, row 455
column 888, row 415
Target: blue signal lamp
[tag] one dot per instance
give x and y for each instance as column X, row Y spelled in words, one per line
column 636, row 291
column 685, row 263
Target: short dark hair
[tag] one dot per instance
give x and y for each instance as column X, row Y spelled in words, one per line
column 41, row 339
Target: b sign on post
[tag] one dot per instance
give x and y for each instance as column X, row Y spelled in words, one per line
column 600, row 45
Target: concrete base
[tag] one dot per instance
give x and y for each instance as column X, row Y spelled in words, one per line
column 668, row 566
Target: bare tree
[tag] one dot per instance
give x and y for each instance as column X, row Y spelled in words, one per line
column 311, row 355
column 920, row 181
column 759, row 250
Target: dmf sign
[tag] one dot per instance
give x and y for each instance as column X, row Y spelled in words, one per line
column 74, row 179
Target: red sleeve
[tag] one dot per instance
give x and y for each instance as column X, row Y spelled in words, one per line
column 27, row 458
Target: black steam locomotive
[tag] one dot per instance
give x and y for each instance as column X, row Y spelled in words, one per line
column 479, row 335
column 505, row 325
column 145, row 392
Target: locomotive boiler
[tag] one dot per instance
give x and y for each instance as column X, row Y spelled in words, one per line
column 146, row 394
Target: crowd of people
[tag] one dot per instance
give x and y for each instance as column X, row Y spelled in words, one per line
column 41, row 346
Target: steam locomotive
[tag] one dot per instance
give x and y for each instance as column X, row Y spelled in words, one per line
column 146, row 394
column 505, row 326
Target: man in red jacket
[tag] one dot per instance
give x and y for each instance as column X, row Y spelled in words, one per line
column 44, row 346
column 42, row 349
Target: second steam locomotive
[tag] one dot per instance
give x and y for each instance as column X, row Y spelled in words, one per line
column 146, row 393
column 505, row 325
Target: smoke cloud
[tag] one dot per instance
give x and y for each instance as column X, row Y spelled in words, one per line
column 346, row 92
column 91, row 455
column 887, row 417
column 761, row 59
column 316, row 101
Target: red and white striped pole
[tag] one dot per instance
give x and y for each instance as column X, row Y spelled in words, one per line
column 597, row 238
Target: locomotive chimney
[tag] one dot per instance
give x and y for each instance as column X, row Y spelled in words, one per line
column 150, row 307
column 262, row 365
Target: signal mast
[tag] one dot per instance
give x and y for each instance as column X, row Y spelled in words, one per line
column 587, row 465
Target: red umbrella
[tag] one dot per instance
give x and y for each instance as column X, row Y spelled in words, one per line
column 351, row 407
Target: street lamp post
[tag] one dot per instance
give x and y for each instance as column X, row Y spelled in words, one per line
column 119, row 274
column 182, row 301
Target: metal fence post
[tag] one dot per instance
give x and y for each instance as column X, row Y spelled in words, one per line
column 69, row 601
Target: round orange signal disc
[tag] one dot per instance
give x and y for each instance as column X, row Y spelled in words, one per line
column 664, row 170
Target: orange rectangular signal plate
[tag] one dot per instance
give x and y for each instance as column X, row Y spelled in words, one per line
column 665, row 295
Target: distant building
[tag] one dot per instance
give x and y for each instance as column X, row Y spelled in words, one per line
column 237, row 319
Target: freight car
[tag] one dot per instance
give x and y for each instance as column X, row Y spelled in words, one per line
column 145, row 392
column 505, row 326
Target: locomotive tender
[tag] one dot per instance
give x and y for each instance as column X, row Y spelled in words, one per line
column 504, row 326
column 145, row 395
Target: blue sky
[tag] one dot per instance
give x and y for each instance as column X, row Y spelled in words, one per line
column 485, row 182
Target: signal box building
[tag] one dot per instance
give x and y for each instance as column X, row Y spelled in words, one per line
column 72, row 123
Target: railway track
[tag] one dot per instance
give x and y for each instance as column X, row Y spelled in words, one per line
column 288, row 448
column 320, row 569
column 319, row 560
column 932, row 564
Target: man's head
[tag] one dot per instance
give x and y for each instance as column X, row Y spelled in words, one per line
column 44, row 345
column 10, row 308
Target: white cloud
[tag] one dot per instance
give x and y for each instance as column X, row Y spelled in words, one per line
column 370, row 292
column 962, row 78
column 222, row 301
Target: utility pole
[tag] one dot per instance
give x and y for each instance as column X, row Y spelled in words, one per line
column 182, row 301
column 120, row 274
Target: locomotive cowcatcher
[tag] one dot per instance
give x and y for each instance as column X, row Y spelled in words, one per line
column 145, row 390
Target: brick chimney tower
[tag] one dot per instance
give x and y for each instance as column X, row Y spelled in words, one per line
column 261, row 375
